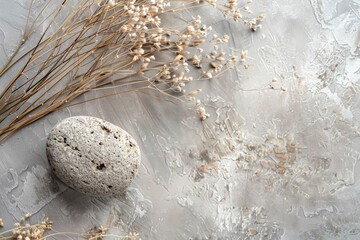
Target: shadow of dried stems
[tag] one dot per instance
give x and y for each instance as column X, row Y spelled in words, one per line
column 121, row 45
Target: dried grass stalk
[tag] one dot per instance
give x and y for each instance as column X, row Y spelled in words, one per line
column 109, row 44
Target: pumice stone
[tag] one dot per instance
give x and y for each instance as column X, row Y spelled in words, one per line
column 93, row 156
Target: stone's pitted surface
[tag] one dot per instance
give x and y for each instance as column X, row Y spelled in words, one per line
column 92, row 155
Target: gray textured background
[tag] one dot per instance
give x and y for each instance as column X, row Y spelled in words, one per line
column 309, row 122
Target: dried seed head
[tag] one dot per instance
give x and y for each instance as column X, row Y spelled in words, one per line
column 202, row 113
column 208, row 74
column 243, row 55
column 112, row 3
column 214, row 64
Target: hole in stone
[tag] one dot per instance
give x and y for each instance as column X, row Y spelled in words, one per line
column 86, row 182
column 109, row 186
column 105, row 129
column 64, row 139
column 100, row 143
column 100, row 167
column 92, row 132
column 131, row 144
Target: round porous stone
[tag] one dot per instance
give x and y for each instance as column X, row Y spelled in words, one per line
column 93, row 156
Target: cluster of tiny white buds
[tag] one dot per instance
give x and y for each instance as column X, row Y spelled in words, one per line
column 202, row 113
column 243, row 55
column 192, row 94
column 143, row 29
column 196, row 60
column 218, row 40
column 255, row 23
column 248, row 10
column 29, row 232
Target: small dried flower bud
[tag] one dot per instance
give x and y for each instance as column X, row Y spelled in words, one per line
column 190, row 29
column 144, row 65
column 208, row 75
column 193, row 93
column 225, row 38
column 243, row 55
column 112, row 3
column 184, row 53
column 154, row 9
column 260, row 18
column 198, row 42
column 181, row 75
column 233, row 58
column 179, row 58
column 178, row 89
column 214, row 64
column 202, row 113
column 1, row 223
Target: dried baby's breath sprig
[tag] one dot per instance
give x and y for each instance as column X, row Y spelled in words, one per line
column 1, row 223
column 41, row 231
column 255, row 23
column 24, row 231
column 96, row 233
column 110, row 44
column 28, row 231
column 133, row 235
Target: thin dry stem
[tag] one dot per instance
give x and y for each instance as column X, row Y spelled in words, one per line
column 110, row 44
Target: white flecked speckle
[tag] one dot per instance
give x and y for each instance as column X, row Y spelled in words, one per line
column 93, row 156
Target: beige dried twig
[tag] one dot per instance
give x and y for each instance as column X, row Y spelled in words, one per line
column 103, row 44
